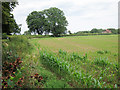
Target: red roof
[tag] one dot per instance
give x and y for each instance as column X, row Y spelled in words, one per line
column 107, row 31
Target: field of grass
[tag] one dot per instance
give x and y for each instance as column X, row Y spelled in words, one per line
column 66, row 62
column 92, row 45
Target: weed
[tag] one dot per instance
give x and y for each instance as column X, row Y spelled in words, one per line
column 101, row 62
column 106, row 51
column 100, row 52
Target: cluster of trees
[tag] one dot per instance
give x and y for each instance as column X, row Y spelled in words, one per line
column 9, row 24
column 50, row 20
column 113, row 30
column 94, row 30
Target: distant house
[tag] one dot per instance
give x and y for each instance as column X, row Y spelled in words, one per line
column 107, row 31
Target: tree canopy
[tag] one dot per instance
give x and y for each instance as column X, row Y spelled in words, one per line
column 94, row 30
column 50, row 20
column 35, row 22
column 9, row 24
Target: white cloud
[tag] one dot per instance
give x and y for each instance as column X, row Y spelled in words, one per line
column 81, row 14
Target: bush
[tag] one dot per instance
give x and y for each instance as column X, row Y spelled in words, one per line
column 14, row 47
column 4, row 36
column 37, row 36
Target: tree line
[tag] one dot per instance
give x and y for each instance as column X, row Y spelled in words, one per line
column 95, row 30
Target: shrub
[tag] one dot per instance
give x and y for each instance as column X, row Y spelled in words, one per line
column 4, row 36
column 16, row 46
column 37, row 36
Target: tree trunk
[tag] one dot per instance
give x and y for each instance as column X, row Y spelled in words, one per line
column 38, row 32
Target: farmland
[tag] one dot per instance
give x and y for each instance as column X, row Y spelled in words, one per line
column 67, row 62
column 82, row 44
column 49, row 50
column 93, row 56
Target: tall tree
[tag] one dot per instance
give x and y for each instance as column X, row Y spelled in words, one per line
column 94, row 30
column 51, row 20
column 9, row 24
column 69, row 32
column 35, row 21
column 56, row 20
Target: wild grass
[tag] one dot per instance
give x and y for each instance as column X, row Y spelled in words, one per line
column 14, row 47
column 14, row 50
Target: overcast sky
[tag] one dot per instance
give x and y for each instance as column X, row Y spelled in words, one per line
column 81, row 14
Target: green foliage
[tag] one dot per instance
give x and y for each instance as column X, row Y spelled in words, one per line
column 100, row 52
column 118, row 30
column 61, row 66
column 4, row 36
column 81, row 70
column 9, row 24
column 61, row 69
column 86, row 34
column 51, row 61
column 62, row 52
column 37, row 36
column 75, row 56
column 14, row 47
column 69, row 32
column 57, row 20
column 106, row 51
column 35, row 21
column 27, row 32
column 103, row 52
column 49, row 20
column 113, row 30
column 101, row 62
column 94, row 30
